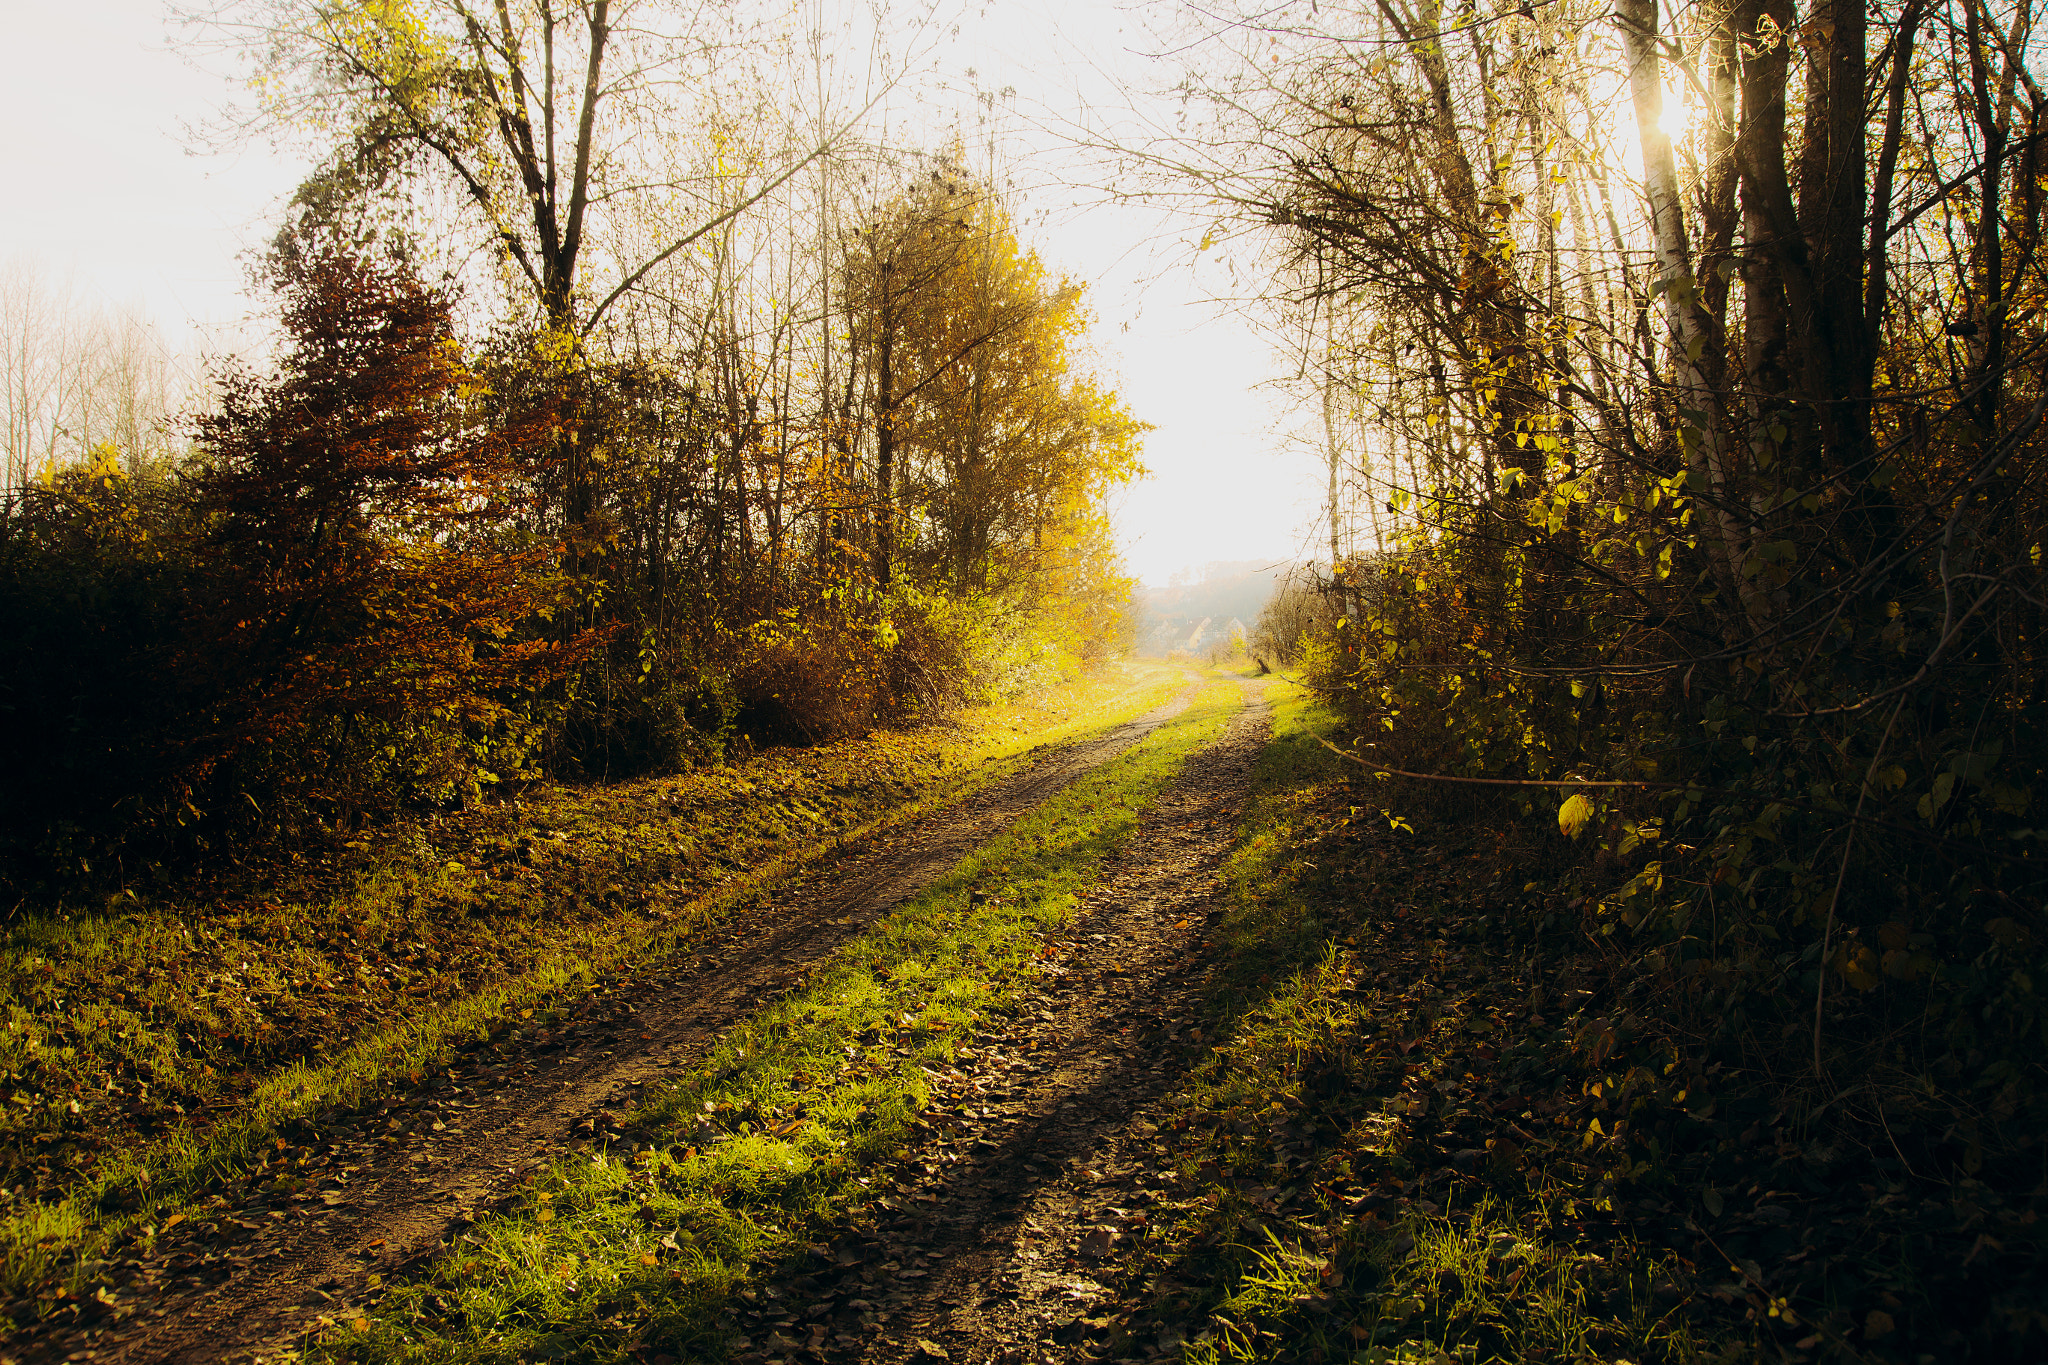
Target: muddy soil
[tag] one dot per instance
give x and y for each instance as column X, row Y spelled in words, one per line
column 1019, row 1234
column 393, row 1183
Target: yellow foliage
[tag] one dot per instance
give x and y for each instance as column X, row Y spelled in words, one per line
column 1574, row 815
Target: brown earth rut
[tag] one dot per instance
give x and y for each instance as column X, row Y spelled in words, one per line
column 397, row 1180
column 1015, row 1243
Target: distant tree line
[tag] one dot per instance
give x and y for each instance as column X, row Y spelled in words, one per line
column 76, row 375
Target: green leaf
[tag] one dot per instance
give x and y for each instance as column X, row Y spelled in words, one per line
column 1931, row 804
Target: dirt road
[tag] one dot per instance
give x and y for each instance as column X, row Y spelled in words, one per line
column 396, row 1181
column 1014, row 1246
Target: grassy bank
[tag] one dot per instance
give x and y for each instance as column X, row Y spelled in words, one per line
column 1373, row 1160
column 1446, row 1124
column 152, row 1043
column 788, row 1128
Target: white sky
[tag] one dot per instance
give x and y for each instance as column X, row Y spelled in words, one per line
column 109, row 194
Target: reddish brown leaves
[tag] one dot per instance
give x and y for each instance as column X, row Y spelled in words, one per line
column 360, row 515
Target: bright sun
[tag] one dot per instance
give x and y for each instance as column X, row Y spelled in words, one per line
column 1677, row 116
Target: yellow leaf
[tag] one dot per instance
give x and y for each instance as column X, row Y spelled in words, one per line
column 1574, row 814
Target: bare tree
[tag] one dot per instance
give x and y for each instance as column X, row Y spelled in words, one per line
column 76, row 375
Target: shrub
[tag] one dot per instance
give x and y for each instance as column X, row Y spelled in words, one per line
column 330, row 611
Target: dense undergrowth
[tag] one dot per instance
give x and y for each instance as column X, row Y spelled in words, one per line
column 155, row 1040
column 791, row 1124
column 1451, row 1119
column 1694, row 549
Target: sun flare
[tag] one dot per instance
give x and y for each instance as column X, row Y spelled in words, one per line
column 1677, row 115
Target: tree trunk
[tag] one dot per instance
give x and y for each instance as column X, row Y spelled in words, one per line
column 1877, row 260
column 1987, row 374
column 1689, row 329
column 885, row 442
column 1832, row 168
column 1777, row 433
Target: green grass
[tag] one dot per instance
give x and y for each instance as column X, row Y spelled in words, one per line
column 788, row 1128
column 150, row 1047
column 1332, row 1211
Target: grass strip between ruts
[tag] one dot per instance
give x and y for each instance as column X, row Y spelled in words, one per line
column 775, row 1135
column 169, row 1179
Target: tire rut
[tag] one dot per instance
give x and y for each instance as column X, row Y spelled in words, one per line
column 257, row 1277
column 1010, row 1246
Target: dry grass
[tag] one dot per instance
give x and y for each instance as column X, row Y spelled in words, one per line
column 151, row 1043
